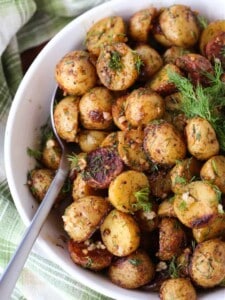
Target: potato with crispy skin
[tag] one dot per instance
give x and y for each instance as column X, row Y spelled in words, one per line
column 160, row 183
column 95, row 108
column 106, row 31
column 84, row 216
column 132, row 271
column 117, row 66
column 207, row 267
column 118, row 113
column 89, row 140
column 80, row 188
column 51, row 154
column 66, row 118
column 75, row 74
column 177, row 288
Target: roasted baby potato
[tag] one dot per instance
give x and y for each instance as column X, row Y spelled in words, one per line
column 151, row 61
column 143, row 106
column 84, row 216
column 172, row 238
column 214, row 49
column 66, row 118
column 132, row 271
column 201, row 138
column 160, row 183
column 213, row 171
column 147, row 219
column 111, row 140
column 117, row 66
column 163, row 143
column 177, row 288
column 140, row 24
column 179, row 25
column 89, row 140
column 51, row 154
column 125, row 188
column 197, row 205
column 207, row 263
column 81, row 189
column 104, row 32
column 166, row 208
column 120, row 233
column 90, row 254
column 172, row 53
column 95, row 108
column 75, row 74
column 130, row 149
column 118, row 113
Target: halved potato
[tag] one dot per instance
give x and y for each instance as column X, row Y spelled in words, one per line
column 177, row 288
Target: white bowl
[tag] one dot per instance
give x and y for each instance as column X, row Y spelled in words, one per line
column 30, row 110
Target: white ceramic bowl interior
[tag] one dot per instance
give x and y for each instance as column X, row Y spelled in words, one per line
column 30, row 110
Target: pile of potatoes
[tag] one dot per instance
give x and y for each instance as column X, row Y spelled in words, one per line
column 147, row 182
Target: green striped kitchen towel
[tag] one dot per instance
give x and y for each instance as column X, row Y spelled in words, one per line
column 24, row 24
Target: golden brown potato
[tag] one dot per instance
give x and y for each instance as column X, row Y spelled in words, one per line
column 111, row 140
column 201, row 138
column 215, row 229
column 197, row 205
column 166, row 208
column 89, row 140
column 130, row 149
column 214, row 49
column 39, row 181
column 179, row 25
column 140, row 24
column 81, row 189
column 51, row 154
column 95, row 109
column 75, row 74
column 158, row 34
column 172, row 53
column 132, row 271
column 117, row 66
column 213, row 171
column 212, row 30
column 84, row 216
column 147, row 219
column 172, row 238
column 207, row 268
column 177, row 288
column 163, row 143
column 160, row 183
column 105, row 31
column 143, row 106
column 66, row 118
column 120, row 233
column 90, row 254
column 184, row 172
column 124, row 189
column 151, row 61
column 160, row 82
column 118, row 113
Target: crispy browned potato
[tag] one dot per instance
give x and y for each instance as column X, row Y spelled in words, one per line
column 105, row 31
column 111, row 140
column 39, row 181
column 177, row 288
column 132, row 271
column 179, row 25
column 90, row 140
column 213, row 171
column 147, row 219
column 143, row 106
column 95, row 109
column 151, row 61
column 160, row 183
column 166, row 208
column 118, row 113
column 163, row 143
column 172, row 238
column 84, row 216
column 172, row 53
column 140, row 24
column 197, row 205
column 201, row 138
column 66, row 118
column 120, row 233
column 117, row 66
column 207, row 263
column 51, row 154
column 215, row 47
column 81, row 189
column 90, row 254
column 75, row 74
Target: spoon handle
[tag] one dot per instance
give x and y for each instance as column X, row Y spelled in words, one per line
column 15, row 266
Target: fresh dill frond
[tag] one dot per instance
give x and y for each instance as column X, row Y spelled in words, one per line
column 142, row 197
column 115, row 62
column 135, row 261
column 77, row 162
column 173, row 268
column 138, row 62
column 37, row 154
column 203, row 22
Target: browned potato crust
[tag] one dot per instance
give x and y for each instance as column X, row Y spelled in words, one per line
column 166, row 208
column 90, row 140
column 81, row 189
column 132, row 271
column 75, row 74
column 207, row 268
column 177, row 288
column 51, row 154
column 172, row 238
column 118, row 113
column 172, row 53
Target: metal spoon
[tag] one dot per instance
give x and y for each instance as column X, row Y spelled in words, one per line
column 15, row 266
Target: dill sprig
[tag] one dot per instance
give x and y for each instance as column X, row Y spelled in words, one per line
column 115, row 62
column 205, row 102
column 174, row 268
column 142, row 197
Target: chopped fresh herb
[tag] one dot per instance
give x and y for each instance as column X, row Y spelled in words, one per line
column 182, row 205
column 142, row 197
column 37, row 154
column 203, row 22
column 135, row 261
column 89, row 263
column 173, row 268
column 77, row 162
column 115, row 62
column 180, row 180
column 138, row 62
column 222, row 51
column 214, row 166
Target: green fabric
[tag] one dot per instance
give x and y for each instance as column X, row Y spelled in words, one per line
column 24, row 24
